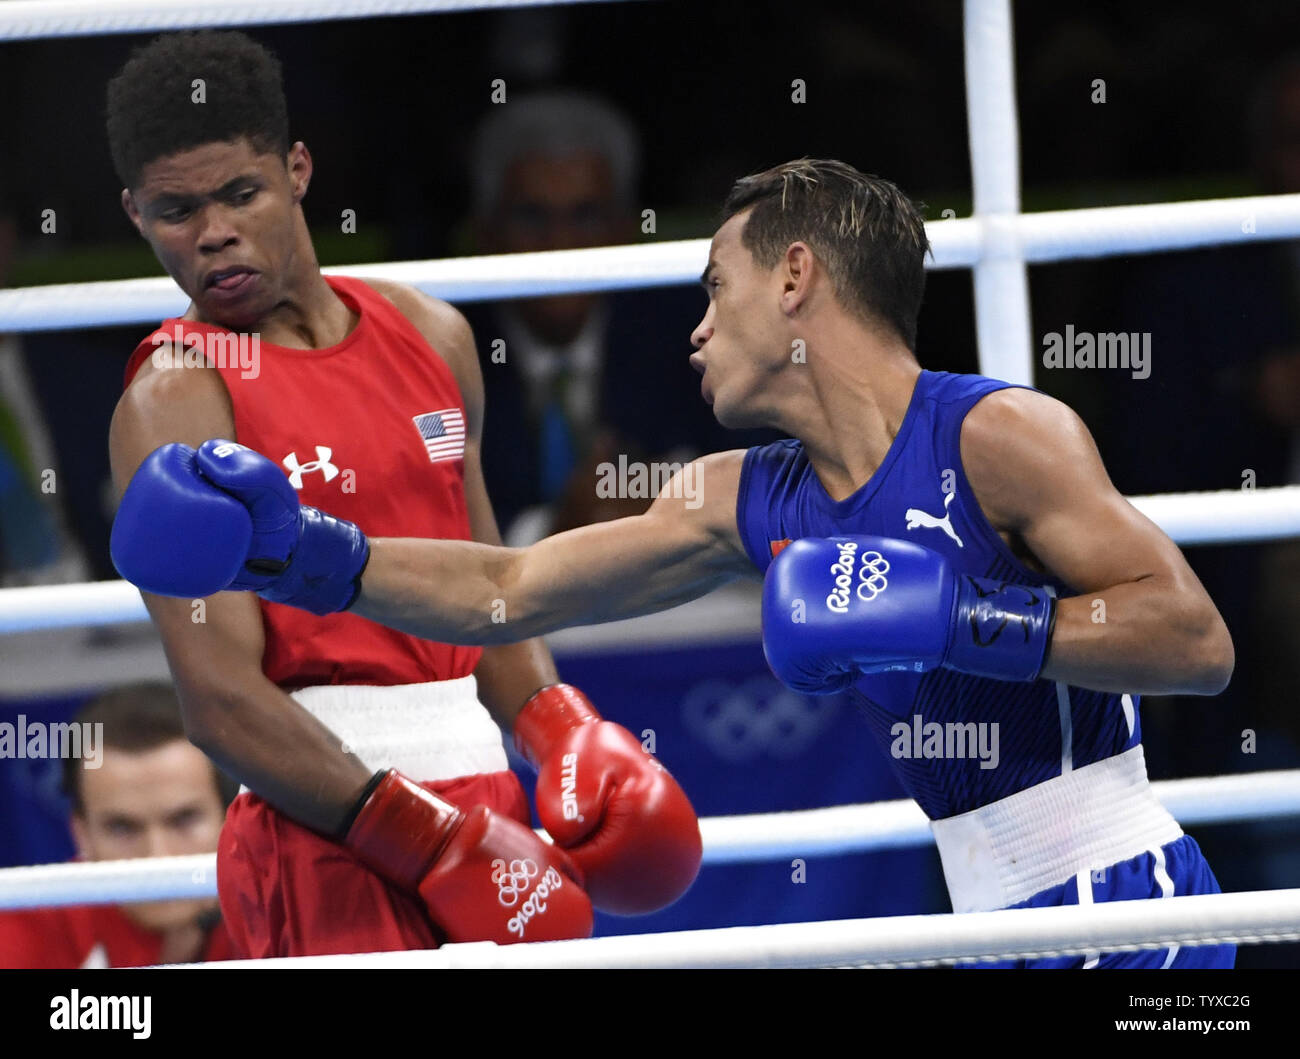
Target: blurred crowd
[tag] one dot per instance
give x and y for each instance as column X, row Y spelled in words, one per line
column 601, row 140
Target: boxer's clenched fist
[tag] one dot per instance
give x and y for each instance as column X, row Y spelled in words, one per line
column 873, row 604
column 614, row 808
column 481, row 875
column 224, row 517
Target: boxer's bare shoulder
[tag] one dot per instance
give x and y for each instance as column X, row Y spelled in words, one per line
column 433, row 317
column 446, row 330
column 1037, row 474
column 1019, row 449
column 166, row 403
column 1017, row 442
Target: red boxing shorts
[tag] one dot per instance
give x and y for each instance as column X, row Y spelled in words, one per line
column 286, row 891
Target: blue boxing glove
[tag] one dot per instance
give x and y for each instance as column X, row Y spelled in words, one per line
column 837, row 608
column 226, row 518
column 176, row 535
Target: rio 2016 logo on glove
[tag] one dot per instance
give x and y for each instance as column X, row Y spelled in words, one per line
column 513, row 879
column 871, row 577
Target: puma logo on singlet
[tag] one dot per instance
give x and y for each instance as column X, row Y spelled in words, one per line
column 918, row 519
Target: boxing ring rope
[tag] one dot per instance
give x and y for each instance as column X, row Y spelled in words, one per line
column 35, row 19
column 1058, row 235
column 727, row 840
column 997, row 243
column 891, row 941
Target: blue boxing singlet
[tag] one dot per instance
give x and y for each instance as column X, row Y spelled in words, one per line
column 1033, row 789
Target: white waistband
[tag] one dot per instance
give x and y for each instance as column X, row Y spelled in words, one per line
column 1083, row 820
column 433, row 731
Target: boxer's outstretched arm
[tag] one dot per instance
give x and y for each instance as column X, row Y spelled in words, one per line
column 256, row 732
column 685, row 546
column 1143, row 623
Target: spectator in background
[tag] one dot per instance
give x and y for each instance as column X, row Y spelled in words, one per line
column 1274, row 123
column 35, row 546
column 153, row 795
column 572, row 381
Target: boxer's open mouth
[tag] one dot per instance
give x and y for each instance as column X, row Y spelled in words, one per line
column 228, row 279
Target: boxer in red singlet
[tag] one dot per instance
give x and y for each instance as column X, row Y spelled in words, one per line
column 380, row 812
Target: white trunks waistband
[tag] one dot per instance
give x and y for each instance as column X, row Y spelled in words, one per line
column 1084, row 820
column 434, row 731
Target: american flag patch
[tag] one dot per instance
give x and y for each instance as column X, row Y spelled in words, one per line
column 443, row 434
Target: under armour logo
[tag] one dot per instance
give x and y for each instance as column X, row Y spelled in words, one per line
column 320, row 463
column 918, row 519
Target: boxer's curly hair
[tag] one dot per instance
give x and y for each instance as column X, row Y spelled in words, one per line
column 152, row 102
column 866, row 232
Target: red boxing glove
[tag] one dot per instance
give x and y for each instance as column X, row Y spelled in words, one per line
column 624, row 819
column 483, row 876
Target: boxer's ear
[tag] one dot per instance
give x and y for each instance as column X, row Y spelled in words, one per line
column 132, row 210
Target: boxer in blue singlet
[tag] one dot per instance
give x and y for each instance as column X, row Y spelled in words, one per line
column 948, row 547
column 1036, row 790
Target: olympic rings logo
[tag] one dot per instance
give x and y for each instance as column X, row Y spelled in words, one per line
column 871, row 575
column 512, row 879
column 742, row 721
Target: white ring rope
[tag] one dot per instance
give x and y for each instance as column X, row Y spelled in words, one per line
column 901, row 824
column 1059, row 235
column 727, row 840
column 1238, row 515
column 891, row 941
column 130, row 301
column 1227, row 515
column 33, row 19
column 1001, row 279
column 91, row 603
column 106, row 882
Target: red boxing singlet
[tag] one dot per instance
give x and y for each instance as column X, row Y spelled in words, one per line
column 371, row 430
